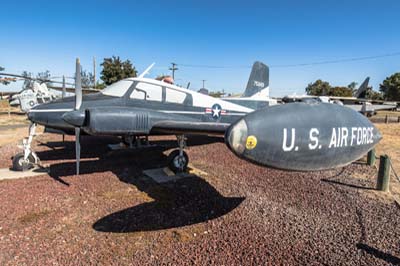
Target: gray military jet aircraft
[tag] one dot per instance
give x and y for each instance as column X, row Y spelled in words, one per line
column 296, row 136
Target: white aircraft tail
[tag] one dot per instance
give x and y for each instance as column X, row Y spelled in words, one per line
column 262, row 94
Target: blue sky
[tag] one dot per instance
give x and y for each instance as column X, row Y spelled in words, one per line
column 41, row 35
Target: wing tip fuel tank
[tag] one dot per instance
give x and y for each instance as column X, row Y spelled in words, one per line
column 302, row 137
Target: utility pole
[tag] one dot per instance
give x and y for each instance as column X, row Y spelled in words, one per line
column 173, row 69
column 94, row 72
column 64, row 90
column 203, row 82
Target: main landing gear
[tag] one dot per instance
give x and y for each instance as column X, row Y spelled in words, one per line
column 131, row 141
column 178, row 160
column 27, row 159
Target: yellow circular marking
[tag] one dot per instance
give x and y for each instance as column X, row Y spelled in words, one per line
column 251, row 142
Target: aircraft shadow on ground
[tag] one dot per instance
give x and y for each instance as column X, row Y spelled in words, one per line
column 178, row 203
column 92, row 147
column 187, row 201
column 379, row 254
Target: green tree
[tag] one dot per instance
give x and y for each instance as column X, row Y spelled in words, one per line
column 5, row 80
column 216, row 94
column 114, row 70
column 318, row 88
column 45, row 75
column 341, row 92
column 40, row 76
column 27, row 82
column 373, row 95
column 390, row 87
column 100, row 85
column 87, row 79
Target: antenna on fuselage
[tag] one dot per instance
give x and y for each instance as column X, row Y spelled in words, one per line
column 146, row 71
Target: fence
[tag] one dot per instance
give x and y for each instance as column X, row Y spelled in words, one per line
column 385, row 119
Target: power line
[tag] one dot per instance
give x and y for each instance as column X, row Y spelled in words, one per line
column 344, row 60
column 211, row 66
column 341, row 60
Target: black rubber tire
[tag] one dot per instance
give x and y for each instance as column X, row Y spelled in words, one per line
column 173, row 164
column 18, row 164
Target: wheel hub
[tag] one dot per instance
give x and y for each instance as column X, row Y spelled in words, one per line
column 179, row 161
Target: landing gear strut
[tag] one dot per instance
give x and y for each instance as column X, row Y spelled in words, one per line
column 178, row 160
column 27, row 159
column 132, row 141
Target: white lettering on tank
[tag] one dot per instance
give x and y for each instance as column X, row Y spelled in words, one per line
column 359, row 135
column 364, row 139
column 284, row 144
column 338, row 138
column 314, row 132
column 371, row 135
column 345, row 134
column 333, row 139
column 353, row 135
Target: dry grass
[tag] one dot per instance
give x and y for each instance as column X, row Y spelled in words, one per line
column 33, row 216
column 390, row 145
column 387, row 113
column 13, row 119
column 13, row 128
column 4, row 104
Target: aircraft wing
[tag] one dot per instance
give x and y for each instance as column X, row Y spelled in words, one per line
column 372, row 107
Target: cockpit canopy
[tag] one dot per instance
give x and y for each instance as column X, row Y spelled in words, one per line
column 149, row 90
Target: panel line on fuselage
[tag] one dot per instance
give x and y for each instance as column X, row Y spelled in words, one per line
column 49, row 110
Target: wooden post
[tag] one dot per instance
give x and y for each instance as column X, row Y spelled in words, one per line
column 384, row 173
column 371, row 157
column 386, row 119
column 398, row 119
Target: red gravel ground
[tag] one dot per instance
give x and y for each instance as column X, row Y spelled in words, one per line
column 237, row 214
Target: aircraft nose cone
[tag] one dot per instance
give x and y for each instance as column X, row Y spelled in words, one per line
column 31, row 116
column 38, row 116
column 236, row 137
column 75, row 118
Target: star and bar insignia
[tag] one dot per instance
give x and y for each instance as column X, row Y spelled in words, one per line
column 215, row 111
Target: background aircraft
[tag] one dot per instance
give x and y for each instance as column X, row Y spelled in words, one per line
column 358, row 102
column 39, row 92
column 256, row 95
column 295, row 136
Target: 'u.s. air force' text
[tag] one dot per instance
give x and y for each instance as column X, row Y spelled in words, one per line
column 340, row 137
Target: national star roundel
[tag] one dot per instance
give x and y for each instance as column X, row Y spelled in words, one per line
column 215, row 111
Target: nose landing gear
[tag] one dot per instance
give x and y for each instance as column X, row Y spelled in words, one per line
column 27, row 159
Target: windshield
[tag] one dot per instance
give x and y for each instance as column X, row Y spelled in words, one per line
column 118, row 88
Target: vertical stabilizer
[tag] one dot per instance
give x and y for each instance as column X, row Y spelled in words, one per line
column 259, row 79
column 362, row 90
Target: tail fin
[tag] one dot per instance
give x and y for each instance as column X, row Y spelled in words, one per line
column 360, row 93
column 259, row 79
